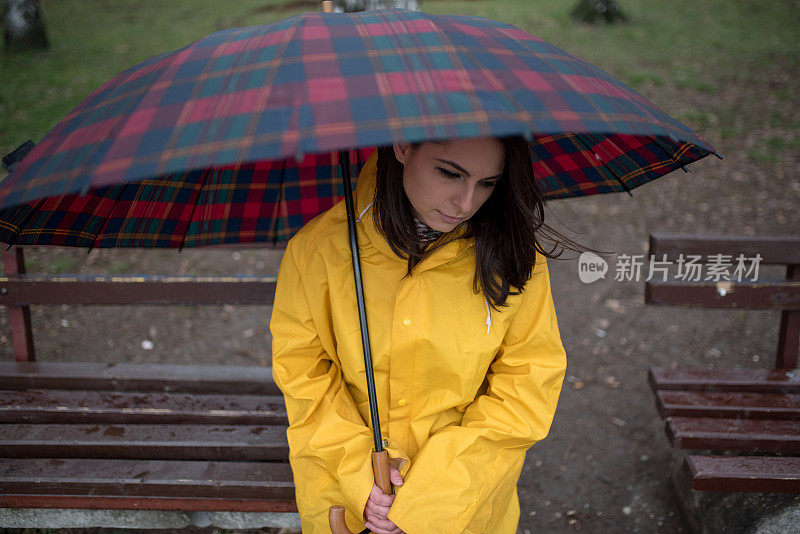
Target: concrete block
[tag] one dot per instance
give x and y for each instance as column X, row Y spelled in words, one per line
column 144, row 519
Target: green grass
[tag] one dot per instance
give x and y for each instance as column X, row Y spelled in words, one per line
column 712, row 64
column 120, row 267
column 58, row 265
column 91, row 41
column 782, row 143
column 761, row 156
column 692, row 59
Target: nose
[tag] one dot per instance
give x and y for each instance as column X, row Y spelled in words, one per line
column 463, row 198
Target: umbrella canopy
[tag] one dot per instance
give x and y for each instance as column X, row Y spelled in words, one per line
column 229, row 139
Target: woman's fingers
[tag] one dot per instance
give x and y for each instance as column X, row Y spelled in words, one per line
column 378, row 503
column 381, row 525
column 376, row 509
column 379, row 497
column 395, row 477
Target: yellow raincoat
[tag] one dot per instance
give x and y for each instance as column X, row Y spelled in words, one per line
column 462, row 393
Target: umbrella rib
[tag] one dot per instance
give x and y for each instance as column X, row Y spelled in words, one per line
column 389, row 103
column 520, row 110
column 672, row 157
column 424, row 59
column 194, row 208
column 605, row 166
column 427, row 99
column 273, row 224
column 103, row 227
column 28, row 216
column 266, row 88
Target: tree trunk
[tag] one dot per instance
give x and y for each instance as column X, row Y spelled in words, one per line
column 349, row 6
column 24, row 27
column 593, row 10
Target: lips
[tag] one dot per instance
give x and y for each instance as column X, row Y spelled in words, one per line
column 452, row 220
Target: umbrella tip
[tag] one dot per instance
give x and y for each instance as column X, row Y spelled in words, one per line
column 717, row 154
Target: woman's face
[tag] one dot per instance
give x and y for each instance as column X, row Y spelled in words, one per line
column 447, row 182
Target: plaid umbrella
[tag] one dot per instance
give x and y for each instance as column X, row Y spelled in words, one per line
column 236, row 137
column 230, row 139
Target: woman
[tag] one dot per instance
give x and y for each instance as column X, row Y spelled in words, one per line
column 467, row 357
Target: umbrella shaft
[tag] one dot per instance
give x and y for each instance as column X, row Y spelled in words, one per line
column 344, row 162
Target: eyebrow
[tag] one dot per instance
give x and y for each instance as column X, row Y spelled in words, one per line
column 465, row 171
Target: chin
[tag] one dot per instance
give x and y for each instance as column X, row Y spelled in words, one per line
column 443, row 227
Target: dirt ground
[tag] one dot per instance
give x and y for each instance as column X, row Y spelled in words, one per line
column 605, row 465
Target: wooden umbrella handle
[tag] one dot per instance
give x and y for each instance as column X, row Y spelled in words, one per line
column 380, row 468
column 336, row 520
column 327, row 6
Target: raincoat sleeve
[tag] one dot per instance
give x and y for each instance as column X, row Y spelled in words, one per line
column 330, row 445
column 465, row 476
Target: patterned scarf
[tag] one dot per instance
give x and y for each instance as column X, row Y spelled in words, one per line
column 426, row 233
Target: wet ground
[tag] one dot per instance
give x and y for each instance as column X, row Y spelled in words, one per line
column 605, row 465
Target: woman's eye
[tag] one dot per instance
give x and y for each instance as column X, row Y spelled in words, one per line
column 489, row 184
column 447, row 174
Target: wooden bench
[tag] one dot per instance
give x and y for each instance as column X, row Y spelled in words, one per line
column 133, row 436
column 748, row 418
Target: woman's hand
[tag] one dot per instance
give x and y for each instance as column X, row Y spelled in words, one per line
column 378, row 505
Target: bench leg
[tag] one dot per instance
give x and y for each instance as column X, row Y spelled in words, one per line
column 789, row 338
column 19, row 317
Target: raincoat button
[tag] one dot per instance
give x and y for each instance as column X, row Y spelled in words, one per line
column 406, row 322
column 402, row 402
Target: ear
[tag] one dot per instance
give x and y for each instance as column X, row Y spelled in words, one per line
column 401, row 151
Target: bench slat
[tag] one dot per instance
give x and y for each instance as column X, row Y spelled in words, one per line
column 154, row 442
column 744, row 473
column 138, row 377
column 774, row 250
column 56, row 406
column 147, row 478
column 754, row 435
column 741, row 295
column 743, row 380
column 713, row 404
column 151, row 290
column 146, row 503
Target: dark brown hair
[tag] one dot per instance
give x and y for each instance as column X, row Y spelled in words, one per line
column 508, row 229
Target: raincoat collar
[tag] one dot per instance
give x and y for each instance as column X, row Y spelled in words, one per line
column 365, row 196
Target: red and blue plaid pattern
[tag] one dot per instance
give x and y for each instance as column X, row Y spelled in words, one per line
column 201, row 145
column 263, row 202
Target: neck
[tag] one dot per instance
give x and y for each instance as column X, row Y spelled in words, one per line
column 425, row 233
